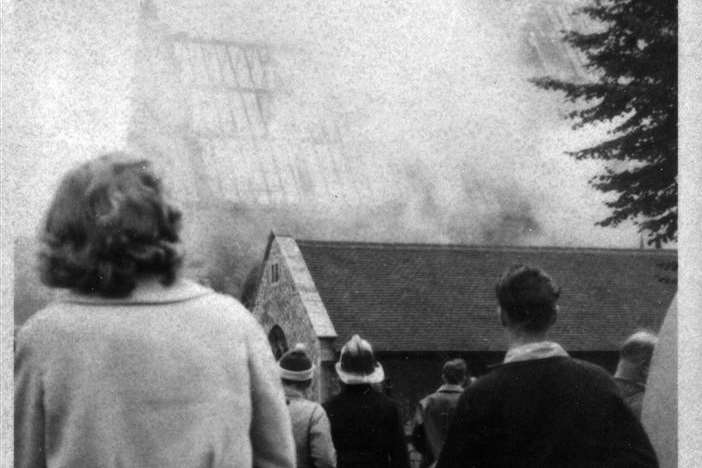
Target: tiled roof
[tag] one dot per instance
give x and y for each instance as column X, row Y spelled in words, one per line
column 441, row 298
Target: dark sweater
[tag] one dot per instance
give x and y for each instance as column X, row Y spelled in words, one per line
column 366, row 429
column 553, row 412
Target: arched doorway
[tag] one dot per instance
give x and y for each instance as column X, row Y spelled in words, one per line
column 276, row 338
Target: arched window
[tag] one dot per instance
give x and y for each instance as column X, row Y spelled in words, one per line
column 276, row 338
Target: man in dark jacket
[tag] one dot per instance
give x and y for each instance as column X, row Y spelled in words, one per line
column 365, row 424
column 541, row 408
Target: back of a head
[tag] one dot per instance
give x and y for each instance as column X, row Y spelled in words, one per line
column 638, row 348
column 528, row 296
column 357, row 363
column 454, row 371
column 108, row 225
column 296, row 367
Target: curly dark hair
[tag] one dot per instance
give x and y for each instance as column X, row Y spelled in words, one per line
column 109, row 225
column 528, row 296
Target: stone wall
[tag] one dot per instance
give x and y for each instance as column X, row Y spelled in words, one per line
column 278, row 302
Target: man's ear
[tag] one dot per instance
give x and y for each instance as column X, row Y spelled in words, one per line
column 554, row 317
column 501, row 316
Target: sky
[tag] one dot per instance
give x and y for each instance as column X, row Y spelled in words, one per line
column 437, row 91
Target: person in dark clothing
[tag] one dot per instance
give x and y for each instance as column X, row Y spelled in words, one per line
column 541, row 408
column 632, row 369
column 365, row 424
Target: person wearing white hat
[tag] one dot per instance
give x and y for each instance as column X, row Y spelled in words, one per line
column 365, row 424
column 310, row 424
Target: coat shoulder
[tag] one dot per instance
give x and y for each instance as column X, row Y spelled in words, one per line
column 43, row 325
column 227, row 308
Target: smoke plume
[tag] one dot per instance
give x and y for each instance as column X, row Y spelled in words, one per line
column 431, row 97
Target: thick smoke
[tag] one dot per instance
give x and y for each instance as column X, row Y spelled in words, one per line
column 433, row 99
column 431, row 96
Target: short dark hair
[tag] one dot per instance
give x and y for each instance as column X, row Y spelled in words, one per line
column 528, row 296
column 638, row 348
column 109, row 224
column 454, row 371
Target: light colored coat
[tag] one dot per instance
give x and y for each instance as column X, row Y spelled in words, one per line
column 311, row 431
column 168, row 377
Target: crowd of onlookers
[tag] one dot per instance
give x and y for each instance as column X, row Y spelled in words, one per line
column 539, row 407
column 137, row 367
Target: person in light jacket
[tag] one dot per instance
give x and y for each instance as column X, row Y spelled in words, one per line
column 311, row 431
column 134, row 366
column 435, row 412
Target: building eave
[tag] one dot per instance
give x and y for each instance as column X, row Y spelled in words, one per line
column 306, row 288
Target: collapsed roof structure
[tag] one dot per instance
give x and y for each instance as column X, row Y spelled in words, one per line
column 217, row 114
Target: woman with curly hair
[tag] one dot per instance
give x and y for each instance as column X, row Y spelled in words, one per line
column 133, row 366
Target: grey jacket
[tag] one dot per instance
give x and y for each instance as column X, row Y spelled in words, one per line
column 435, row 413
column 311, row 432
column 177, row 376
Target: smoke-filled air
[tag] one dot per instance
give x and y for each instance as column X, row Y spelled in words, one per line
column 406, row 121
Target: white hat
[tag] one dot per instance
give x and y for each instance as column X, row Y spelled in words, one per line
column 296, row 365
column 357, row 363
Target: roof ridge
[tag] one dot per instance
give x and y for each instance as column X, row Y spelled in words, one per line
column 467, row 247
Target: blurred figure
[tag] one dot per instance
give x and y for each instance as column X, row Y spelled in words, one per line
column 366, row 426
column 632, row 369
column 309, row 420
column 659, row 414
column 541, row 408
column 133, row 366
column 435, row 412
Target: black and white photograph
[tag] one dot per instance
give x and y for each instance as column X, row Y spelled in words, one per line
column 351, row 233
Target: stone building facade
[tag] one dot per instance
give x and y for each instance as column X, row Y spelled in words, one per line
column 288, row 306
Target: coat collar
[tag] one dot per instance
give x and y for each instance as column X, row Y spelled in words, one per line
column 449, row 388
column 150, row 291
column 531, row 351
column 293, row 393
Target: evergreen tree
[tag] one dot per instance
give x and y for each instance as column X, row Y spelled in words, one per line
column 632, row 54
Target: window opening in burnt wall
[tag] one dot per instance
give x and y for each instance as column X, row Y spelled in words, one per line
column 275, row 273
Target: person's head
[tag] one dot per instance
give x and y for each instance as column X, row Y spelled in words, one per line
column 108, row 226
column 296, row 368
column 527, row 299
column 454, row 372
column 635, row 355
column 357, row 364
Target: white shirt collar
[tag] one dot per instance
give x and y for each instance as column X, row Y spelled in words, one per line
column 450, row 388
column 531, row 351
